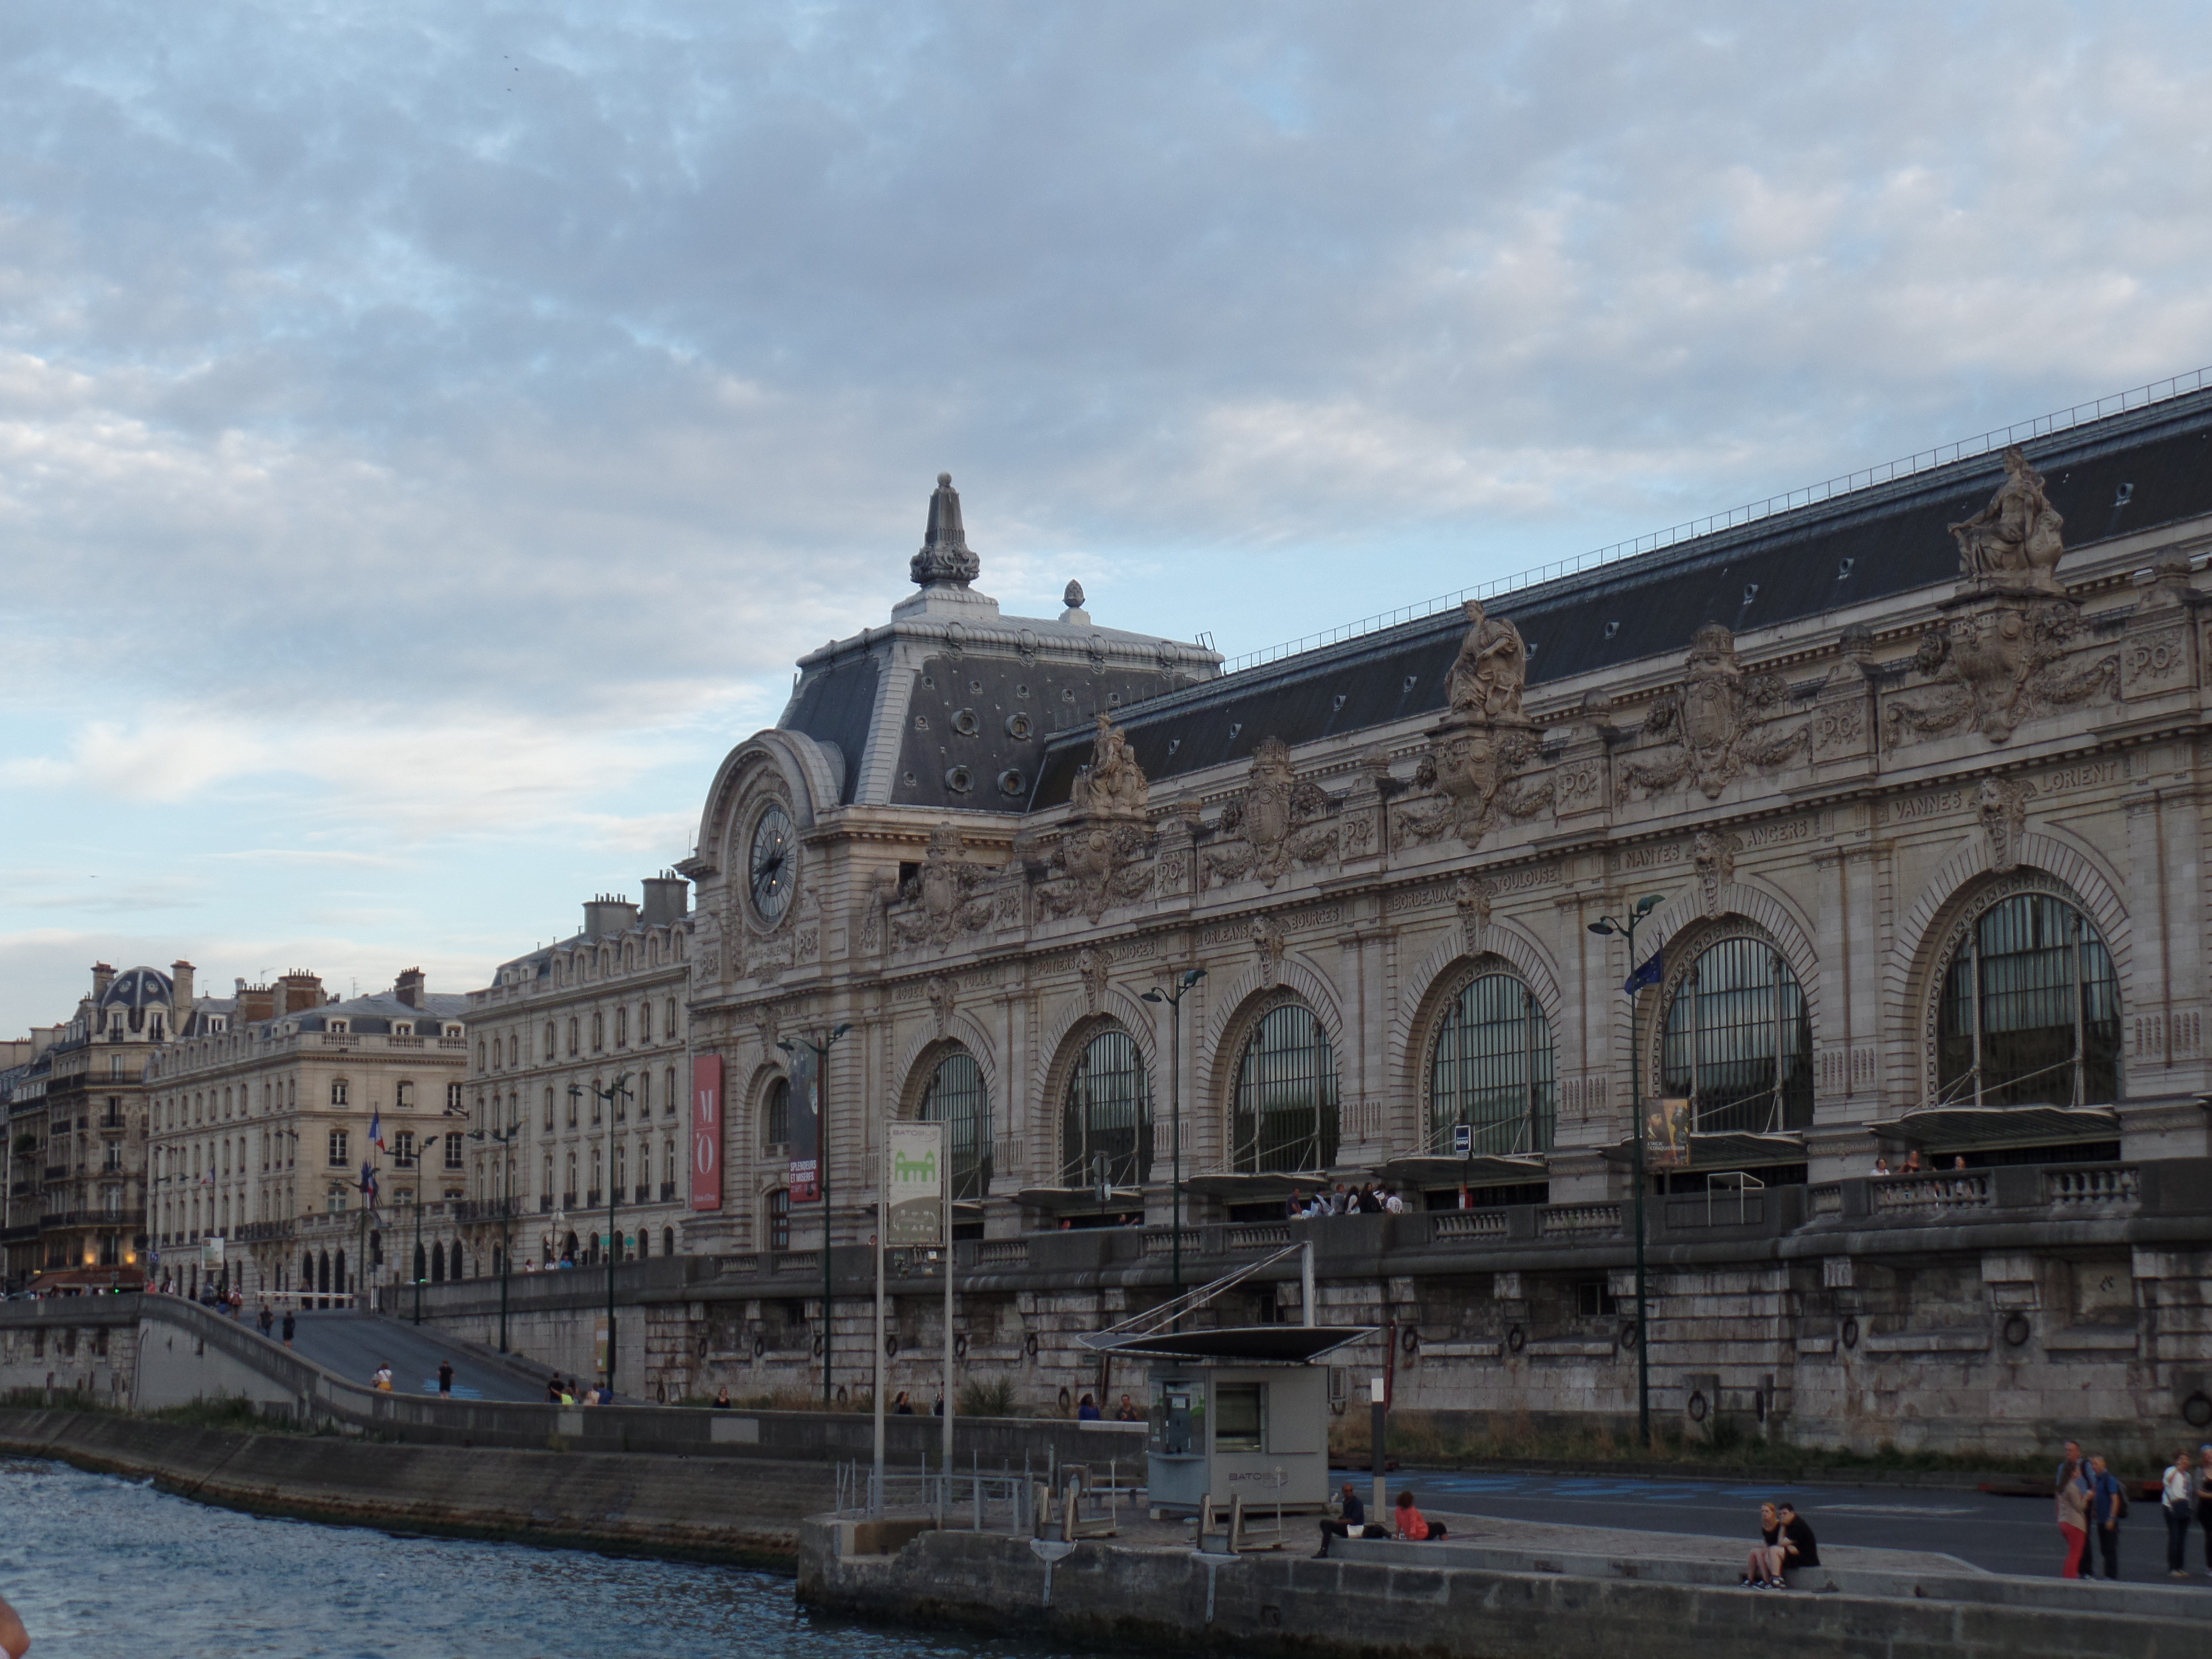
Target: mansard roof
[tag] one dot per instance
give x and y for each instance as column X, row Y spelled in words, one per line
column 2116, row 476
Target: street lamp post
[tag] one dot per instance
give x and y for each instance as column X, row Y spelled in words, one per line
column 618, row 1090
column 1608, row 926
column 415, row 1262
column 506, row 1219
column 1173, row 997
column 821, row 1047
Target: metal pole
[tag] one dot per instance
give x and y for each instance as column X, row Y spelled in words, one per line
column 1636, row 1119
column 1377, row 1431
column 1306, row 1282
column 883, row 1225
column 947, row 1185
column 1175, row 1111
column 822, row 1170
column 610, row 1250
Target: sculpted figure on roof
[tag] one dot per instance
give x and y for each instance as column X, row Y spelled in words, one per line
column 2013, row 542
column 1487, row 677
column 1112, row 785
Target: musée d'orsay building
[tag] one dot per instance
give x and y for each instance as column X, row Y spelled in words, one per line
column 1914, row 776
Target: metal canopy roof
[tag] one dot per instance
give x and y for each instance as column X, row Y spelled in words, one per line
column 1253, row 1188
column 1062, row 1200
column 1722, row 1151
column 1474, row 1171
column 2002, row 1126
column 1242, row 1344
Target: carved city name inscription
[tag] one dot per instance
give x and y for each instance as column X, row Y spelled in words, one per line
column 2090, row 774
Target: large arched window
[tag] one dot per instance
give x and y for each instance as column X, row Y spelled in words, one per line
column 1738, row 1042
column 1494, row 1069
column 956, row 1097
column 1284, row 1113
column 1107, row 1132
column 775, row 1113
column 2030, row 1010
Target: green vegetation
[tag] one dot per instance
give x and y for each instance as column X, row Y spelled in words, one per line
column 993, row 1399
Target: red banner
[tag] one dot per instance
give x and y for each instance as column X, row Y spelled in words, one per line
column 706, row 1131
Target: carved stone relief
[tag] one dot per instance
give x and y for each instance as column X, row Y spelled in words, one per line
column 1091, row 967
column 1112, row 786
column 943, row 899
column 1994, row 663
column 2013, row 542
column 1094, row 866
column 1712, row 856
column 1275, row 821
column 1268, row 939
column 1471, row 896
column 2158, row 654
column 2002, row 806
column 1711, row 728
column 939, row 990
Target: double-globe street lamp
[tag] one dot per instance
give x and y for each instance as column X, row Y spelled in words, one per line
column 821, row 1047
column 1608, row 926
column 618, row 1090
column 1173, row 997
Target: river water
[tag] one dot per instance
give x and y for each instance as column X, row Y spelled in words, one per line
column 107, row 1568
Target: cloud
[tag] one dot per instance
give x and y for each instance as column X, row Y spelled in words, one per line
column 428, row 433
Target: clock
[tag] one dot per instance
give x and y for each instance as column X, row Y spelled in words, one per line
column 769, row 865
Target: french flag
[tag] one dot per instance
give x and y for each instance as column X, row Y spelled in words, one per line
column 376, row 1132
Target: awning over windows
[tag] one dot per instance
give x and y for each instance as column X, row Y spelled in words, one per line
column 1253, row 1188
column 1723, row 1152
column 1062, row 1200
column 1248, row 1345
column 1421, row 1173
column 1950, row 1128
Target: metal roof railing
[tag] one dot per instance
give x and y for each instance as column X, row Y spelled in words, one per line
column 1923, row 461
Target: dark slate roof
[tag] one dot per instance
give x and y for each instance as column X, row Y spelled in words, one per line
column 139, row 987
column 832, row 706
column 2120, row 475
column 373, row 1015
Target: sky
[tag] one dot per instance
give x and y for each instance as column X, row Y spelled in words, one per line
column 429, row 433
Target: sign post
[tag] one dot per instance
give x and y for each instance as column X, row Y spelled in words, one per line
column 908, row 1215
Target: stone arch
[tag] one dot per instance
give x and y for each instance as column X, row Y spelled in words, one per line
column 2048, row 860
column 1743, row 911
column 1073, row 1027
column 1213, row 1083
column 918, row 1061
column 1413, row 1023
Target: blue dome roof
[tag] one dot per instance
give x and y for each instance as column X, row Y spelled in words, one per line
column 140, row 987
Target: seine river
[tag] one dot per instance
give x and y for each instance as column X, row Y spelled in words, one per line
column 104, row 1568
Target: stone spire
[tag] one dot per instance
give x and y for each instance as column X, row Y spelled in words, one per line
column 945, row 560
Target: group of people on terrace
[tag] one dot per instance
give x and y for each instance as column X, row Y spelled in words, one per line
column 1369, row 1198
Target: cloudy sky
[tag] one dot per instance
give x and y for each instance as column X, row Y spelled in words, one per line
column 429, row 432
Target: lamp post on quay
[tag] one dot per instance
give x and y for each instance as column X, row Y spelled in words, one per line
column 506, row 1221
column 821, row 1047
column 1637, row 979
column 618, row 1090
column 1173, row 997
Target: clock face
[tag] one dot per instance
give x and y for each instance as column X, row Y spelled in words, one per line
column 769, row 867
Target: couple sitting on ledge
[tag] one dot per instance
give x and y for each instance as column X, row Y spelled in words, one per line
column 1411, row 1526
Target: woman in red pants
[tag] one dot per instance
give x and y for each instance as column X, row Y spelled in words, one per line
column 2073, row 1516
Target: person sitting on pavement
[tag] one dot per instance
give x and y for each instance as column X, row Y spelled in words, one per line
column 1799, row 1547
column 1351, row 1521
column 1413, row 1526
column 1764, row 1570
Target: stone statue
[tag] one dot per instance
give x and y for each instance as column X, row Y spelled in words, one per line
column 2013, row 542
column 1491, row 667
column 1112, row 785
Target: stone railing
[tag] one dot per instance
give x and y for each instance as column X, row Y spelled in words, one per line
column 1003, row 1253
column 1579, row 1220
column 1257, row 1236
column 2110, row 1191
column 1467, row 1224
column 1929, row 1195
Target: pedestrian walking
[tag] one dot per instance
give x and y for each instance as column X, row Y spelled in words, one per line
column 288, row 1327
column 2174, row 1496
column 445, row 1379
column 265, row 1318
column 2073, row 1518
column 2204, row 1501
column 2108, row 1502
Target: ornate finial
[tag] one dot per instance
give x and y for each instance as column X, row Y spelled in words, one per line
column 945, row 560
column 1072, row 597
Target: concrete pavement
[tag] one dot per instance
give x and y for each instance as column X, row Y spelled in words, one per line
column 355, row 1344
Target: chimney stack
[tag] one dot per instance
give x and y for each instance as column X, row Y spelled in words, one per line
column 409, row 987
column 299, row 993
column 255, row 1003
column 102, row 977
column 609, row 913
column 667, row 899
column 180, row 976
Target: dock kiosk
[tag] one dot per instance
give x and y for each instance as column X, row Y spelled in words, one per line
column 1239, row 1411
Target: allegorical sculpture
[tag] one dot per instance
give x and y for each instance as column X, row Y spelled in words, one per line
column 944, row 897
column 1487, row 678
column 2013, row 542
column 1113, row 785
column 1708, row 728
column 1100, row 860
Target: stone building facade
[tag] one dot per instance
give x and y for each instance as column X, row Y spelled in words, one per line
column 580, row 1060
column 261, row 1129
column 1903, row 788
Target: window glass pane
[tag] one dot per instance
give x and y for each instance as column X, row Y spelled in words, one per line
column 1494, row 1068
column 2035, row 966
column 1237, row 1416
column 1108, row 1127
column 1285, row 1110
column 956, row 1098
column 1738, row 1042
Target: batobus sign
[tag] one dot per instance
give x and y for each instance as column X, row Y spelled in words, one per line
column 914, row 1159
column 706, row 1133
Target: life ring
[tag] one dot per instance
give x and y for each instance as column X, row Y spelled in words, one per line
column 2196, row 1410
column 1850, row 1333
column 1516, row 1339
column 1029, row 1345
column 1065, row 1399
column 1409, row 1341
column 1630, row 1336
column 890, row 1345
column 702, row 1345
column 818, row 1347
column 960, row 1345
column 1697, row 1407
column 2017, row 1330
column 759, row 1346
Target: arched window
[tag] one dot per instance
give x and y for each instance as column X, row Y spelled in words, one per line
column 956, row 1097
column 550, row 1043
column 1107, row 1132
column 2031, row 1011
column 775, row 1113
column 1738, row 1043
column 1284, row 1116
column 668, row 1234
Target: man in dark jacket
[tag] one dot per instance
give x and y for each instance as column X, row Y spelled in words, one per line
column 1799, row 1547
